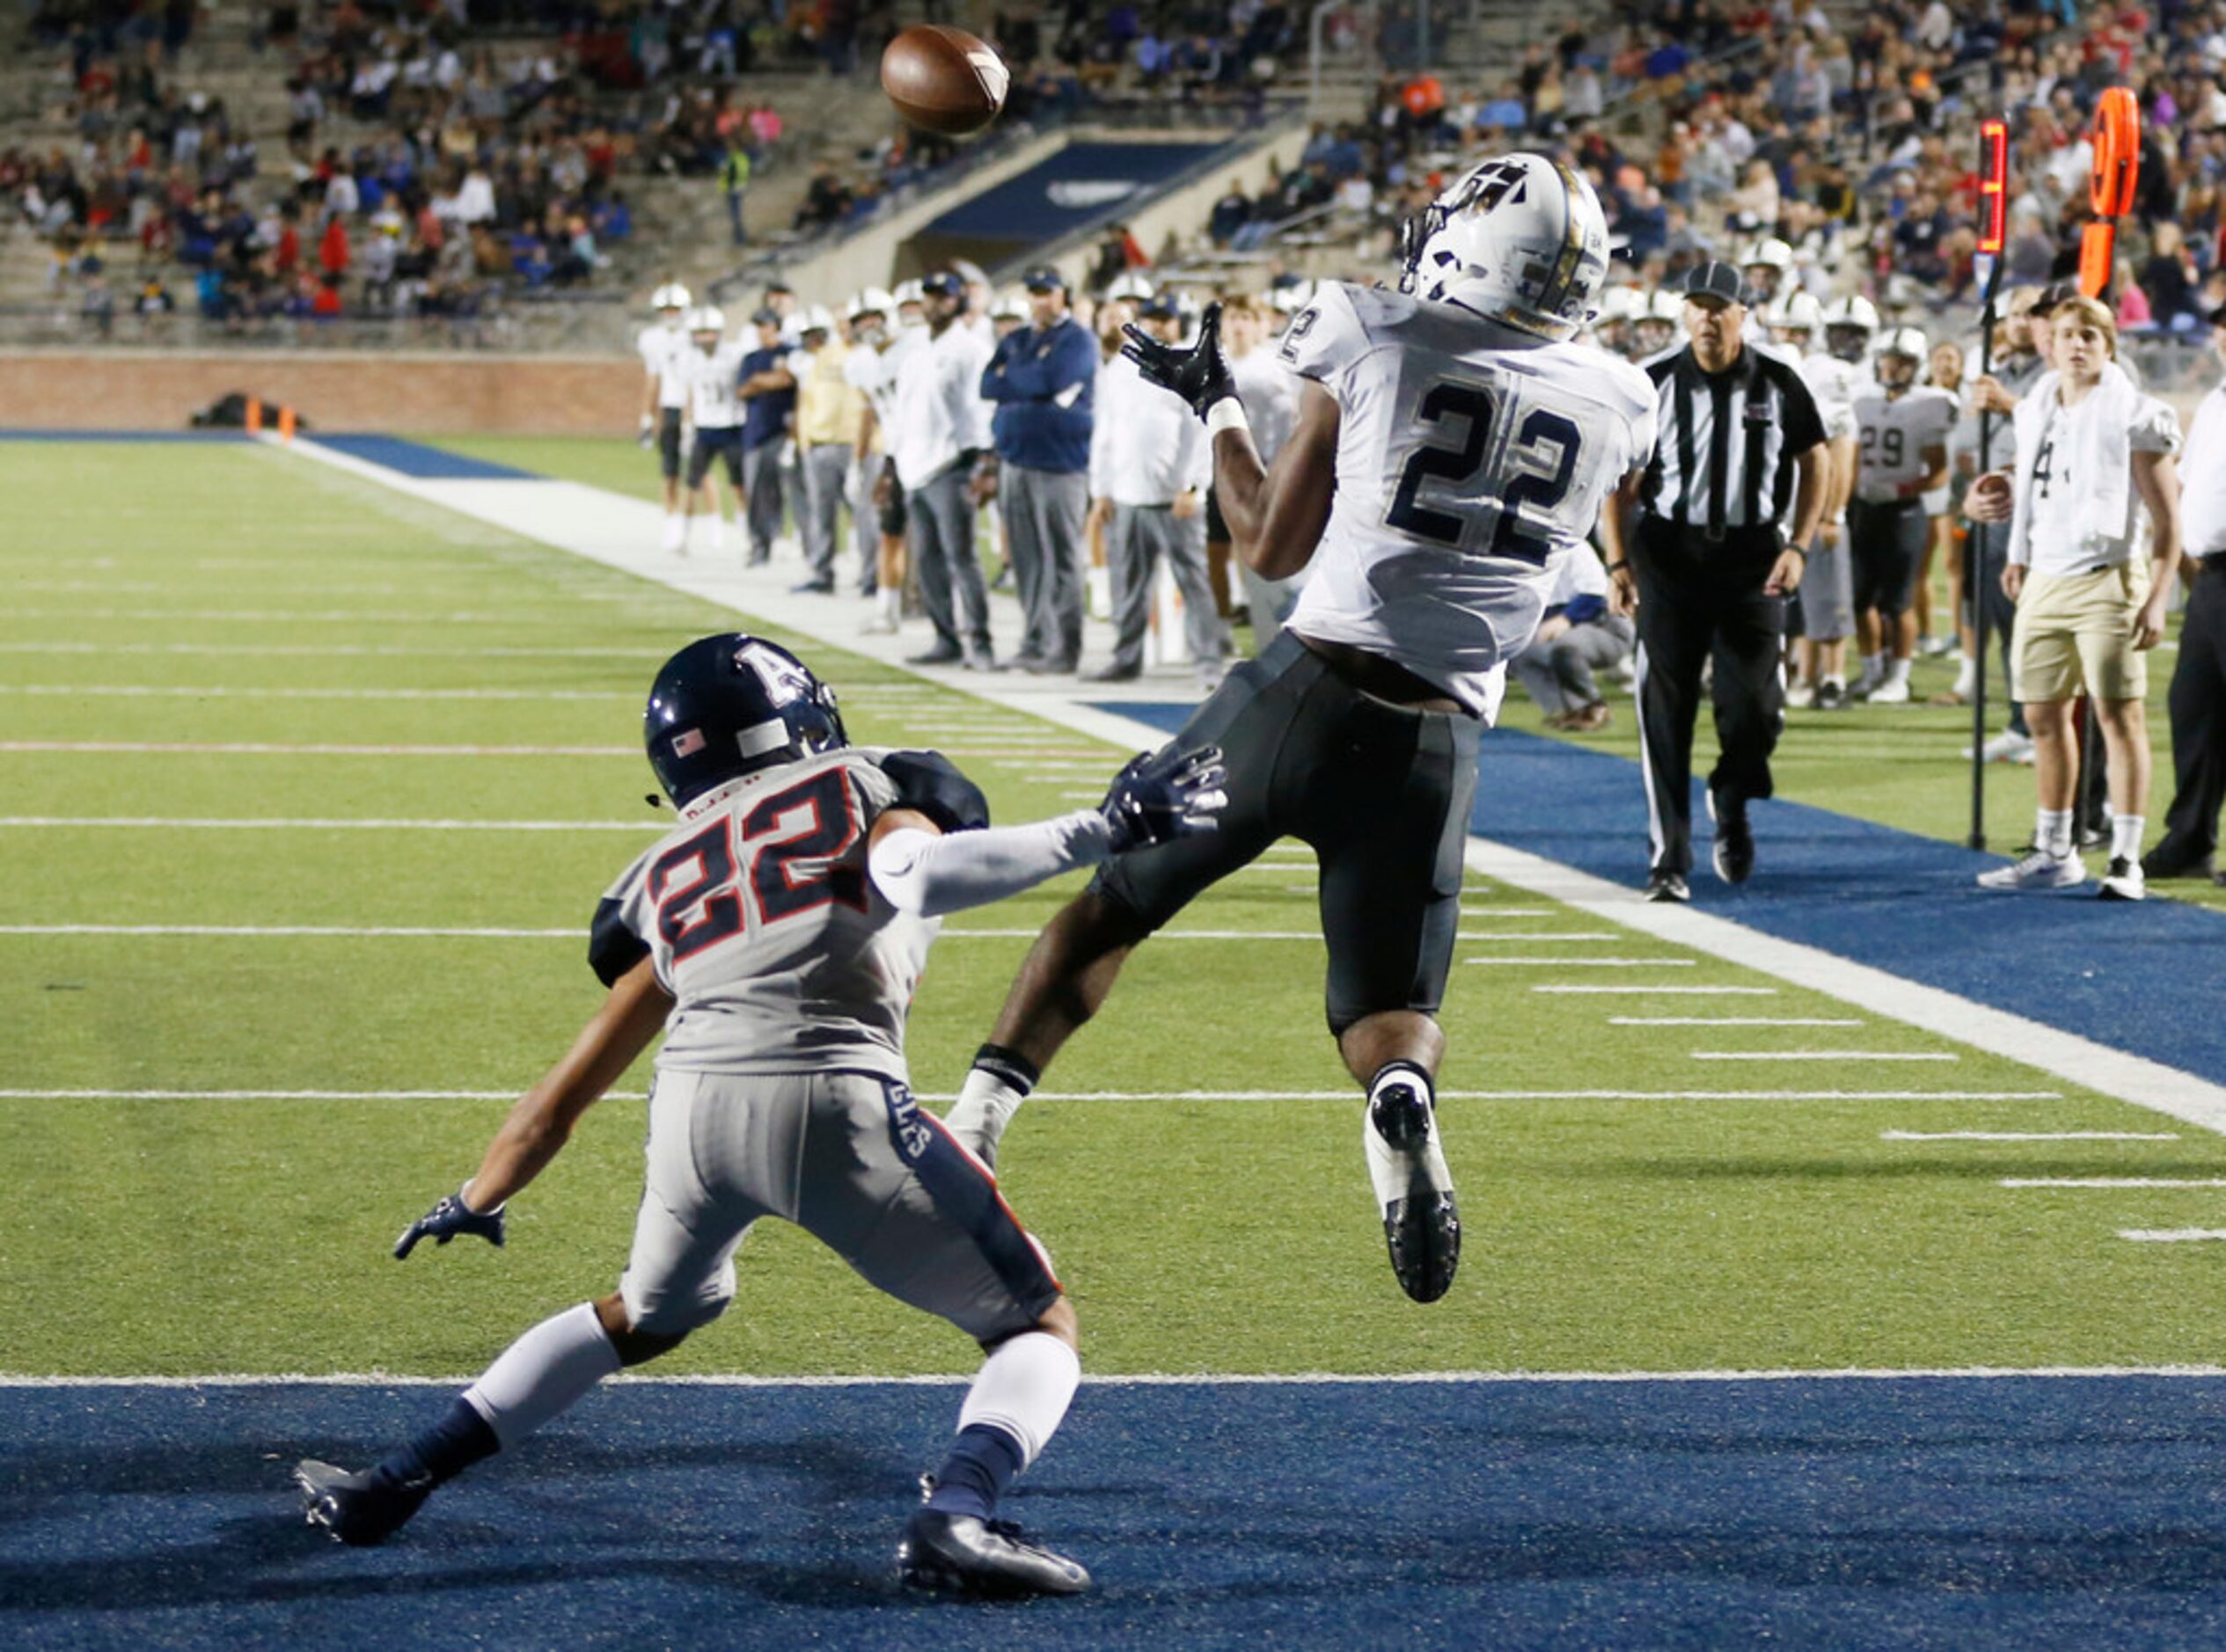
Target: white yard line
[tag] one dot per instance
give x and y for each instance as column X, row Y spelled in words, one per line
column 2108, row 1182
column 623, row 534
column 317, row 650
column 1825, row 1055
column 2028, row 1136
column 2172, row 1235
column 79, row 690
column 1691, row 993
column 1555, row 962
column 1181, row 1379
column 1727, row 1021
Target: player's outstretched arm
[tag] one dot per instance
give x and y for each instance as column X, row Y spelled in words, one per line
column 1157, row 798
column 1275, row 513
column 541, row 1121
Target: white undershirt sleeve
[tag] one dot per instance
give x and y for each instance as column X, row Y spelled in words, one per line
column 927, row 874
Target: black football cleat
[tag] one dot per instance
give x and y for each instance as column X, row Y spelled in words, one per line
column 1421, row 1222
column 984, row 1560
column 1667, row 888
column 1734, row 856
column 358, row 1509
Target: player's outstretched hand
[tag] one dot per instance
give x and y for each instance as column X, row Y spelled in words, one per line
column 1198, row 373
column 445, row 1220
column 1164, row 795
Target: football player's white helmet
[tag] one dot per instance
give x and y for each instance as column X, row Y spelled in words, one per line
column 1519, row 238
column 672, row 295
column 1621, row 304
column 908, row 293
column 1848, row 324
column 870, row 302
column 707, row 319
column 1905, row 345
column 1129, row 286
column 814, row 318
column 1666, row 304
column 1794, row 312
column 1767, row 253
column 1292, row 297
column 1010, row 305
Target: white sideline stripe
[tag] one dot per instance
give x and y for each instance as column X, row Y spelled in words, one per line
column 137, row 822
column 2028, row 1136
column 2107, row 1183
column 1590, row 963
column 1727, row 1021
column 259, row 749
column 606, row 528
column 1085, row 1095
column 1825, row 1055
column 2149, row 1085
column 80, row 690
column 2170, row 1235
column 259, row 932
column 1175, row 1379
column 1695, row 992
column 1489, row 911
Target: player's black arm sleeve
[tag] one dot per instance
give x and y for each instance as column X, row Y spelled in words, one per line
column 930, row 782
column 1277, row 514
column 613, row 948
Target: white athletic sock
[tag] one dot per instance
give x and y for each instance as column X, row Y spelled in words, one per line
column 676, row 531
column 986, row 1105
column 1898, row 672
column 888, row 601
column 1833, row 680
column 543, row 1372
column 1874, row 668
column 1966, row 676
column 2052, row 831
column 1024, row 1388
column 2125, row 836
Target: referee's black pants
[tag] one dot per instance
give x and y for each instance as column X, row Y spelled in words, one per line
column 1700, row 599
column 2198, row 704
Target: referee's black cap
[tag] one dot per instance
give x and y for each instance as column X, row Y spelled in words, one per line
column 1716, row 281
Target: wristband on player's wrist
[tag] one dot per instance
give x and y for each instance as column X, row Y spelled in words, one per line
column 1617, row 567
column 1226, row 414
column 1800, row 551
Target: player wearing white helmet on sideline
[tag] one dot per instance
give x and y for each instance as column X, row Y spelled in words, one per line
column 664, row 348
column 1903, row 426
column 1654, row 329
column 877, row 508
column 1619, row 308
column 1795, row 323
column 1451, row 438
column 1767, row 267
column 716, row 411
column 912, row 306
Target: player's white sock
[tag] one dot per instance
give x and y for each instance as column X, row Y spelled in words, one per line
column 1011, row 1412
column 2052, row 831
column 676, row 531
column 888, row 602
column 999, row 1082
column 1898, row 672
column 1966, row 676
column 1833, row 680
column 2125, row 836
column 1873, row 669
column 543, row 1372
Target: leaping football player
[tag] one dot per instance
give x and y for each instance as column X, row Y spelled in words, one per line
column 1451, row 440
column 774, row 937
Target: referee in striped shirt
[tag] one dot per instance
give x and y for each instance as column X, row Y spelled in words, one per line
column 1740, row 456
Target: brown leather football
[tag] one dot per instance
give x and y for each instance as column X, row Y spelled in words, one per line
column 944, row 79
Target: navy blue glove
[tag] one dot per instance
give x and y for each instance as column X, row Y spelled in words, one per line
column 445, row 1220
column 1198, row 375
column 1164, row 795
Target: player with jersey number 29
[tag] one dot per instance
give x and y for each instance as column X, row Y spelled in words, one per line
column 775, row 937
column 1451, row 439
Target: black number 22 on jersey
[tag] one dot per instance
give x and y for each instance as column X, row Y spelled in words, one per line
column 1541, row 455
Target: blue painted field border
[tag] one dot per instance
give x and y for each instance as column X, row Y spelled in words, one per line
column 420, row 460
column 1810, row 1512
column 2138, row 977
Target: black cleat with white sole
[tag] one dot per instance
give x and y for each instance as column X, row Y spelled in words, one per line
column 358, row 1509
column 1421, row 1222
column 984, row 1560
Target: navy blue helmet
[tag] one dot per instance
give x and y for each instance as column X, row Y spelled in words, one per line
column 730, row 704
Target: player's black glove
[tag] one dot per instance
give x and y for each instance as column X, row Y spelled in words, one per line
column 1164, row 795
column 1198, row 375
column 445, row 1220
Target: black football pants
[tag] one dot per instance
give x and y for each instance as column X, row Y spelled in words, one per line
column 1700, row 600
column 2198, row 704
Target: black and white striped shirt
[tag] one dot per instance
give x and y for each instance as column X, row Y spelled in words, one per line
column 1724, row 456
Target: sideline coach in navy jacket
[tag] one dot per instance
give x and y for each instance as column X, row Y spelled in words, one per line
column 1042, row 379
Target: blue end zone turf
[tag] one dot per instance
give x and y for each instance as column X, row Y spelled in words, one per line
column 425, row 463
column 1944, row 1512
column 2141, row 978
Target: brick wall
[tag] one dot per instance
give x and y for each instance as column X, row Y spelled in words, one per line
column 573, row 395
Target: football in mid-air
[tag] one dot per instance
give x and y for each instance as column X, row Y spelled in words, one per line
column 944, row 79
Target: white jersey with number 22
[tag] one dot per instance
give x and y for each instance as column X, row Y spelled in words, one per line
column 1469, row 454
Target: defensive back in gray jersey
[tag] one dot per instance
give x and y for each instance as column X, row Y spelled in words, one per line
column 1469, row 454
column 764, row 926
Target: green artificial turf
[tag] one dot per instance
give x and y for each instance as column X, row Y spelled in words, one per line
column 1197, row 1232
